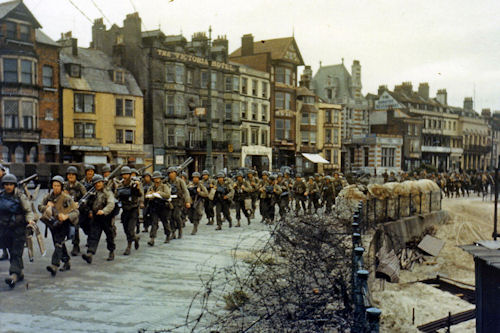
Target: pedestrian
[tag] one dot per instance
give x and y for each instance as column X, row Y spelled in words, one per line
column 224, row 193
column 180, row 199
column 209, row 200
column 76, row 191
column 242, row 198
column 157, row 197
column 198, row 193
column 328, row 194
column 5, row 254
column 299, row 190
column 147, row 183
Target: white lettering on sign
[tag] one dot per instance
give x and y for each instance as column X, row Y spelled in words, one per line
column 386, row 101
column 194, row 59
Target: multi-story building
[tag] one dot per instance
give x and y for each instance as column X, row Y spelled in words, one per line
column 280, row 58
column 334, row 84
column 102, row 108
column 329, row 136
column 255, row 144
column 495, row 128
column 376, row 153
column 174, row 76
column 306, row 139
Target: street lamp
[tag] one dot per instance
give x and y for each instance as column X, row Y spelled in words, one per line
column 209, row 159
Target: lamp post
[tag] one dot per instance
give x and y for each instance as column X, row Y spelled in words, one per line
column 209, row 159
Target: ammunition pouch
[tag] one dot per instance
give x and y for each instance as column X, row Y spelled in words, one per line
column 269, row 189
column 124, row 194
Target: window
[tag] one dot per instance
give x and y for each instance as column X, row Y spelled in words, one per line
column 244, row 136
column 28, row 115
column 11, row 113
column 180, row 106
column 312, row 137
column 254, row 87
column 129, row 108
column 228, row 84
column 283, row 129
column 244, row 85
column 367, row 156
column 179, row 136
column 170, row 73
column 284, row 75
column 213, row 83
column 119, row 77
column 129, row 136
column 328, row 116
column 204, row 79
column 335, row 156
column 288, row 76
column 84, row 103
column 328, row 135
column 264, row 112
column 189, row 76
column 119, row 107
column 75, row 70
column 10, row 70
column 49, row 114
column 255, row 136
column 305, row 118
column 263, row 139
column 11, row 30
column 84, row 130
column 26, row 71
column 335, row 117
column 312, row 118
column 179, row 73
column 236, row 84
column 308, row 100
column 388, row 157
column 304, row 135
column 288, row 101
column 279, row 100
column 236, row 111
column 119, row 136
column 24, row 31
column 47, row 76
column 336, row 136
column 170, row 105
column 328, row 154
column 244, row 108
column 255, row 111
column 264, row 89
column 229, row 111
column 171, row 136
column 329, row 93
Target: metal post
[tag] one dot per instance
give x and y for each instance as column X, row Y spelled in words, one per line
column 373, row 316
column 420, row 193
column 495, row 218
column 430, row 201
column 209, row 159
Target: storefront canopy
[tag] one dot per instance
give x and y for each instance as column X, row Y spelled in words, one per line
column 315, row 158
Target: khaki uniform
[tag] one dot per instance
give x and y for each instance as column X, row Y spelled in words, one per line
column 312, row 191
column 328, row 196
column 158, row 208
column 207, row 202
column 270, row 192
column 178, row 187
column 129, row 195
column 198, row 193
column 222, row 205
column 105, row 201
column 299, row 188
column 76, row 190
column 243, row 191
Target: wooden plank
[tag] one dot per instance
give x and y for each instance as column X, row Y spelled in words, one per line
column 431, row 245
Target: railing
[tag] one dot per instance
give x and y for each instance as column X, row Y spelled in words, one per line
column 366, row 317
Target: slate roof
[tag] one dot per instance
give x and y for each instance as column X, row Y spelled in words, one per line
column 42, row 38
column 7, row 7
column 340, row 78
column 95, row 73
column 276, row 47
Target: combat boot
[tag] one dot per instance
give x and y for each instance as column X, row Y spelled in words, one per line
column 5, row 255
column 210, row 221
column 52, row 269
column 111, row 256
column 136, row 242
column 238, row 224
column 230, row 223
column 249, row 220
column 87, row 257
column 75, row 251
column 127, row 250
column 13, row 279
column 66, row 267
column 180, row 233
column 151, row 242
column 167, row 239
column 195, row 229
column 218, row 227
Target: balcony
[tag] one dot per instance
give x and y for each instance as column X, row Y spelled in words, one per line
column 20, row 135
column 202, row 145
column 477, row 149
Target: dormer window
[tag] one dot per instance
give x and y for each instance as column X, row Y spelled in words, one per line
column 75, row 70
column 11, row 30
column 24, row 31
column 119, row 77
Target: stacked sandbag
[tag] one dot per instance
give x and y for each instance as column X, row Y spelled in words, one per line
column 347, row 202
column 425, row 187
column 378, row 196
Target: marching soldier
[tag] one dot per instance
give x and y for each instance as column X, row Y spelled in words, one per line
column 289, row 181
column 89, row 175
column 328, row 194
column 284, row 196
column 5, row 255
column 269, row 191
column 15, row 216
column 224, row 193
column 180, row 199
column 198, row 194
column 242, row 199
column 208, row 202
column 254, row 182
column 60, row 213
column 312, row 194
column 184, row 211
column 337, row 183
column 101, row 219
column 157, row 197
column 262, row 206
column 129, row 193
column 299, row 189
column 76, row 191
column 147, row 183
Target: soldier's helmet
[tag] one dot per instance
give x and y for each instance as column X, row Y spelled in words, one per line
column 195, row 174
column 265, row 173
column 57, row 179
column 134, row 170
column 125, row 170
column 106, row 168
column 72, row 169
column 9, row 179
column 239, row 174
column 221, row 174
column 205, row 172
column 89, row 167
column 298, row 175
column 280, row 174
column 157, row 174
column 184, row 174
column 147, row 173
column 2, row 167
column 97, row 178
column 287, row 172
column 171, row 169
column 272, row 177
column 316, row 174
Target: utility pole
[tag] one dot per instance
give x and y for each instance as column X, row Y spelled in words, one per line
column 209, row 159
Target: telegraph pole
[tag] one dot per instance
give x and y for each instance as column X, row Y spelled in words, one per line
column 209, row 159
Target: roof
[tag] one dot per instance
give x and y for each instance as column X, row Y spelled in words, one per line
column 9, row 6
column 152, row 33
column 42, row 38
column 303, row 91
column 95, row 76
column 490, row 256
column 277, row 47
column 334, row 76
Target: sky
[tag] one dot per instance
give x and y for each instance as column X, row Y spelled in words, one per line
column 451, row 44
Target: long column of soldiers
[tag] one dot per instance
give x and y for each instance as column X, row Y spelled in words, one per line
column 92, row 205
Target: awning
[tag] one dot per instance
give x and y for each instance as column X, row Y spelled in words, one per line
column 315, row 158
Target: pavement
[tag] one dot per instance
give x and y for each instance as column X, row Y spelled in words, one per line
column 151, row 289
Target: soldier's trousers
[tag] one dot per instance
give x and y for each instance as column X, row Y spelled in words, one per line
column 129, row 219
column 300, row 201
column 59, row 235
column 175, row 217
column 267, row 208
column 194, row 215
column 157, row 215
column 328, row 203
column 98, row 225
column 13, row 238
column 146, row 216
column 209, row 208
column 222, row 207
column 84, row 224
column 240, row 206
column 283, row 206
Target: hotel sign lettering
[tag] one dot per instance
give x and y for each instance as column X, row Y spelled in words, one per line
column 182, row 57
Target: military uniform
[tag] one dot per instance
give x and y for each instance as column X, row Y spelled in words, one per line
column 146, row 211
column 224, row 193
column 312, row 191
column 15, row 211
column 178, row 187
column 207, row 202
column 76, row 191
column 283, row 199
column 299, row 189
column 129, row 193
column 157, row 196
column 269, row 192
column 328, row 195
column 242, row 191
column 198, row 193
column 60, row 230
column 254, row 182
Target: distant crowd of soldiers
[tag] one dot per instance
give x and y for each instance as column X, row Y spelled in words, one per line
column 93, row 203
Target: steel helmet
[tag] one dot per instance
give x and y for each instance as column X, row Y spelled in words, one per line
column 172, row 169
column 134, row 170
column 157, row 174
column 205, row 172
column 9, row 179
column 96, row 179
column 147, row 173
column 57, row 179
column 89, row 167
column 72, row 169
column 106, row 168
column 196, row 174
column 125, row 170
column 221, row 174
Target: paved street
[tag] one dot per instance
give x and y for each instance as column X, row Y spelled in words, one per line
column 151, row 289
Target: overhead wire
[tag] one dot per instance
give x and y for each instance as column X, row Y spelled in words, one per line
column 100, row 11
column 81, row 11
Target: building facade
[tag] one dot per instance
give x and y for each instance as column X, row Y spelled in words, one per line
column 280, row 58
column 329, row 136
column 376, row 153
column 102, row 108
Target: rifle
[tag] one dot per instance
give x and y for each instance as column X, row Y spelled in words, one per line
column 27, row 179
column 144, row 168
column 184, row 165
column 33, row 229
column 92, row 190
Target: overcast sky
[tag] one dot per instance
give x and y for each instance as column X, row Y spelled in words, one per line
column 450, row 44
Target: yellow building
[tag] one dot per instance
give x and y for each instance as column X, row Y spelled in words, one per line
column 329, row 136
column 102, row 108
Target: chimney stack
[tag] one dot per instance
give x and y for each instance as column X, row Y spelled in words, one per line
column 381, row 89
column 442, row 96
column 247, row 45
column 423, row 90
column 468, row 104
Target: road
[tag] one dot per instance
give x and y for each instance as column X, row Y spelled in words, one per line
column 150, row 289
